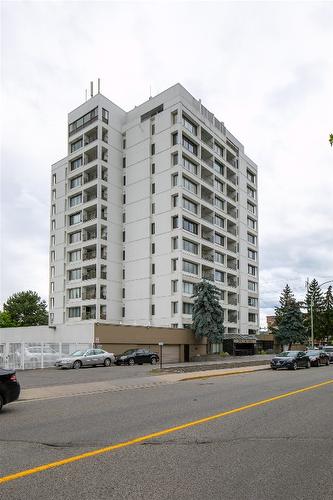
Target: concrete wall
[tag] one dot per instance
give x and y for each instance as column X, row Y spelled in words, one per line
column 78, row 333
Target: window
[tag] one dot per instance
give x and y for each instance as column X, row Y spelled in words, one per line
column 153, row 129
column 174, row 286
column 218, row 185
column 189, row 185
column 52, row 271
column 53, row 210
column 174, row 180
column 151, row 113
column 123, row 312
column 252, row 318
column 53, row 224
column 153, row 168
column 75, row 237
column 153, row 228
column 76, row 145
column 153, row 289
column 190, row 166
column 189, row 125
column 190, row 226
column 124, row 254
column 124, row 199
column 153, row 149
column 175, row 138
column 75, row 182
column 251, row 238
column 54, row 179
column 251, row 192
column 105, row 115
column 219, row 203
column 153, row 248
column 252, row 286
column 153, row 269
column 174, row 307
column 124, row 236
column 153, row 309
column 251, row 254
column 153, row 188
column 52, row 287
column 124, row 180
column 77, row 163
column 218, row 167
column 175, row 222
column 52, row 256
column 82, row 122
column 251, row 176
column 124, row 217
column 218, row 149
column 219, row 257
column 190, row 146
column 75, row 200
column 174, row 116
column 74, row 256
column 74, row 312
column 124, row 142
column 219, row 239
column 54, row 194
column 174, row 243
column 251, row 223
column 124, row 162
column 75, row 219
column 153, row 208
column 219, row 276
column 251, row 208
column 174, row 159
column 218, row 221
column 174, row 202
column 189, row 246
column 74, row 293
column 252, row 270
column 187, row 308
column 190, row 267
column 252, row 301
column 74, row 274
column 190, row 205
column 188, row 287
column 174, row 264
column 123, row 274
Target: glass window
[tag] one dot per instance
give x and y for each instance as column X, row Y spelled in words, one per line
column 219, row 239
column 75, row 219
column 174, row 180
column 83, row 121
column 75, row 200
column 252, row 286
column 76, row 145
column 219, row 257
column 252, row 270
column 75, row 237
column 190, row 146
column 189, row 185
column 175, row 138
column 251, row 192
column 190, row 226
column 219, row 203
column 174, row 307
column 105, row 115
column 188, row 287
column 77, row 163
column 190, row 267
column 218, row 149
column 74, row 293
column 252, row 301
column 218, row 221
column 189, row 125
column 74, row 312
column 251, row 254
column 74, row 274
column 251, row 238
column 251, row 208
column 75, row 256
column 75, row 182
column 219, row 276
column 251, row 223
column 218, row 167
column 252, row 318
column 189, row 246
column 218, row 185
column 187, row 308
column 190, row 205
column 251, row 176
column 190, row 166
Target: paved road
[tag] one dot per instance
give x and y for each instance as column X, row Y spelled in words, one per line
column 280, row 449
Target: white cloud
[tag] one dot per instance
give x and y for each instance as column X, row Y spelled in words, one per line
column 262, row 67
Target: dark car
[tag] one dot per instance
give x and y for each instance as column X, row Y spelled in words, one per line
column 9, row 387
column 291, row 360
column 137, row 356
column 318, row 357
column 329, row 350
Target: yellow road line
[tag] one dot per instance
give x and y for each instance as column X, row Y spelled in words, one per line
column 164, row 432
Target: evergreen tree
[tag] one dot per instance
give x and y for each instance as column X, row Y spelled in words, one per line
column 207, row 312
column 26, row 309
column 315, row 294
column 5, row 320
column 289, row 327
column 328, row 313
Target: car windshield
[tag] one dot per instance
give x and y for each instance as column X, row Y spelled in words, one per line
column 287, row 354
column 130, row 351
column 328, row 349
column 77, row 353
column 312, row 353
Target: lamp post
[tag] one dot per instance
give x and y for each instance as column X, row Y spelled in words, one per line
column 311, row 308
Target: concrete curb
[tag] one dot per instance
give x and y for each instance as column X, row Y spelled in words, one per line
column 234, row 372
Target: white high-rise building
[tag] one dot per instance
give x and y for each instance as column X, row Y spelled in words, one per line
column 146, row 204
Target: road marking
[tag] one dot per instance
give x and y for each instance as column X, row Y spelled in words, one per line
column 124, row 444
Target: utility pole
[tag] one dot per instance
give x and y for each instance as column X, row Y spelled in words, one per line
column 311, row 313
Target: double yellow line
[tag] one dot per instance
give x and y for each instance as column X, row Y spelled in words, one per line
column 154, row 435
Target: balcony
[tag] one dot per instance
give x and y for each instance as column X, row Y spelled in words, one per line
column 207, row 195
column 232, row 159
column 232, row 299
column 103, row 273
column 232, row 281
column 207, row 138
column 90, row 155
column 89, row 275
column 105, row 154
column 104, row 193
column 232, row 316
column 207, row 176
column 231, row 176
column 207, row 215
column 89, row 292
column 104, row 174
column 207, row 253
column 103, row 292
column 231, row 193
column 103, row 252
column 207, row 273
column 89, row 254
column 90, row 233
column 90, row 136
column 207, row 234
column 89, row 312
column 102, row 315
column 231, row 263
column 231, row 245
column 231, row 228
column 90, row 175
column 90, row 194
column 90, row 214
column 207, row 157
column 231, row 210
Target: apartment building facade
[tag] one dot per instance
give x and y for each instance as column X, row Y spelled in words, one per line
column 146, row 204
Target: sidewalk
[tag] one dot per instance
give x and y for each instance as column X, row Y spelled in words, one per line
column 60, row 391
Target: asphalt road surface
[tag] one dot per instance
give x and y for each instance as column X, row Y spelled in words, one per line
column 277, row 449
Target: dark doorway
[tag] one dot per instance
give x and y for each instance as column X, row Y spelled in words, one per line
column 186, row 353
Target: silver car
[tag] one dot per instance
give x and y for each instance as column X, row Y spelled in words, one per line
column 89, row 357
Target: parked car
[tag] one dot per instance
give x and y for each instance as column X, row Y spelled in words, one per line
column 291, row 360
column 34, row 354
column 9, row 387
column 89, row 357
column 318, row 357
column 329, row 350
column 137, row 356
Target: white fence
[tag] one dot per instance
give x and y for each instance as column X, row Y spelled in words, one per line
column 29, row 355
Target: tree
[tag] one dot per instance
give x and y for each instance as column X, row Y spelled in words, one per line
column 289, row 320
column 26, row 309
column 331, row 139
column 328, row 313
column 5, row 320
column 315, row 295
column 207, row 312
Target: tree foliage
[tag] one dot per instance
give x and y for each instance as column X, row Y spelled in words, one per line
column 5, row 320
column 315, row 295
column 26, row 309
column 331, row 139
column 207, row 312
column 328, row 313
column 289, row 327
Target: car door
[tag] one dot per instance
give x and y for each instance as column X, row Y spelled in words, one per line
column 89, row 358
column 301, row 359
column 100, row 356
column 140, row 356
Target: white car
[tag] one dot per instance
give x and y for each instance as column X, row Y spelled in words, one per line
column 89, row 357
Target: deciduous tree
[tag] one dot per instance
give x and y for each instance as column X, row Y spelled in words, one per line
column 26, row 309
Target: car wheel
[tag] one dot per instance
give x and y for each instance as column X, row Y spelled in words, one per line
column 107, row 362
column 308, row 364
column 77, row 364
column 318, row 363
column 153, row 361
column 131, row 361
column 273, row 367
column 1, row 402
column 327, row 362
column 294, row 365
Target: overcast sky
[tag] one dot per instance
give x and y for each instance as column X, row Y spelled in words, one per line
column 264, row 68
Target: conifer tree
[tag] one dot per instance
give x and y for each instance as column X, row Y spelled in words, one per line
column 289, row 327
column 207, row 312
column 328, row 314
column 315, row 294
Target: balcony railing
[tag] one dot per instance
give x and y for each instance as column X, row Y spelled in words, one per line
column 89, row 236
column 210, row 258
column 89, row 315
column 89, row 276
column 232, row 283
column 89, row 216
column 103, row 275
column 89, row 255
column 89, row 178
column 89, row 296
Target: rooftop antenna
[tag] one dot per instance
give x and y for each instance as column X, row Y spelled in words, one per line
column 91, row 89
column 99, row 85
column 149, row 91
